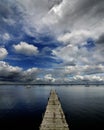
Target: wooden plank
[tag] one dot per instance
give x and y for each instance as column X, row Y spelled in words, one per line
column 54, row 118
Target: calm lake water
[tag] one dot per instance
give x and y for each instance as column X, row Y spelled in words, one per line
column 22, row 107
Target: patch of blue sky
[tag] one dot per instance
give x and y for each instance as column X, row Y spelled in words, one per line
column 44, row 59
column 90, row 44
column 30, row 62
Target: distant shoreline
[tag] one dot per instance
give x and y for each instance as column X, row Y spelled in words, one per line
column 87, row 84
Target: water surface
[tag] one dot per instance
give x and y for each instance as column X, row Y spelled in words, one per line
column 22, row 107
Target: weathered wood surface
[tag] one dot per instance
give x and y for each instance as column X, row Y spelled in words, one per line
column 54, row 118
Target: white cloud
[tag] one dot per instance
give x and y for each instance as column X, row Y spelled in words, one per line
column 82, row 70
column 49, row 78
column 76, row 37
column 3, row 53
column 31, row 72
column 76, row 15
column 71, row 54
column 74, row 51
column 26, row 49
column 32, row 12
column 9, row 21
column 61, row 15
column 8, row 70
column 15, row 73
column 71, row 16
column 6, row 36
column 89, row 78
column 58, row 75
column 30, row 75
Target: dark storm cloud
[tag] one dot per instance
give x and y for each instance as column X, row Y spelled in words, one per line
column 7, row 11
column 16, row 74
column 77, row 14
column 100, row 39
column 90, row 11
column 87, row 5
column 11, row 21
column 51, row 3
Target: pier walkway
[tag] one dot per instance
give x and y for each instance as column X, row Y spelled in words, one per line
column 54, row 118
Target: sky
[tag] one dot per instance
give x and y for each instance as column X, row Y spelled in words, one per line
column 51, row 41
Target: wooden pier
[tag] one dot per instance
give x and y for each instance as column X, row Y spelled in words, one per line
column 54, row 118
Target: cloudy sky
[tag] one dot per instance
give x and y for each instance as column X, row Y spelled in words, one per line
column 51, row 40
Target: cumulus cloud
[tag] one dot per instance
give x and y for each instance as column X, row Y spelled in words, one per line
column 73, row 55
column 77, row 50
column 76, row 37
column 58, row 75
column 16, row 74
column 89, row 78
column 6, row 69
column 3, row 53
column 82, row 70
column 26, row 49
column 30, row 75
column 9, row 73
column 49, row 78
